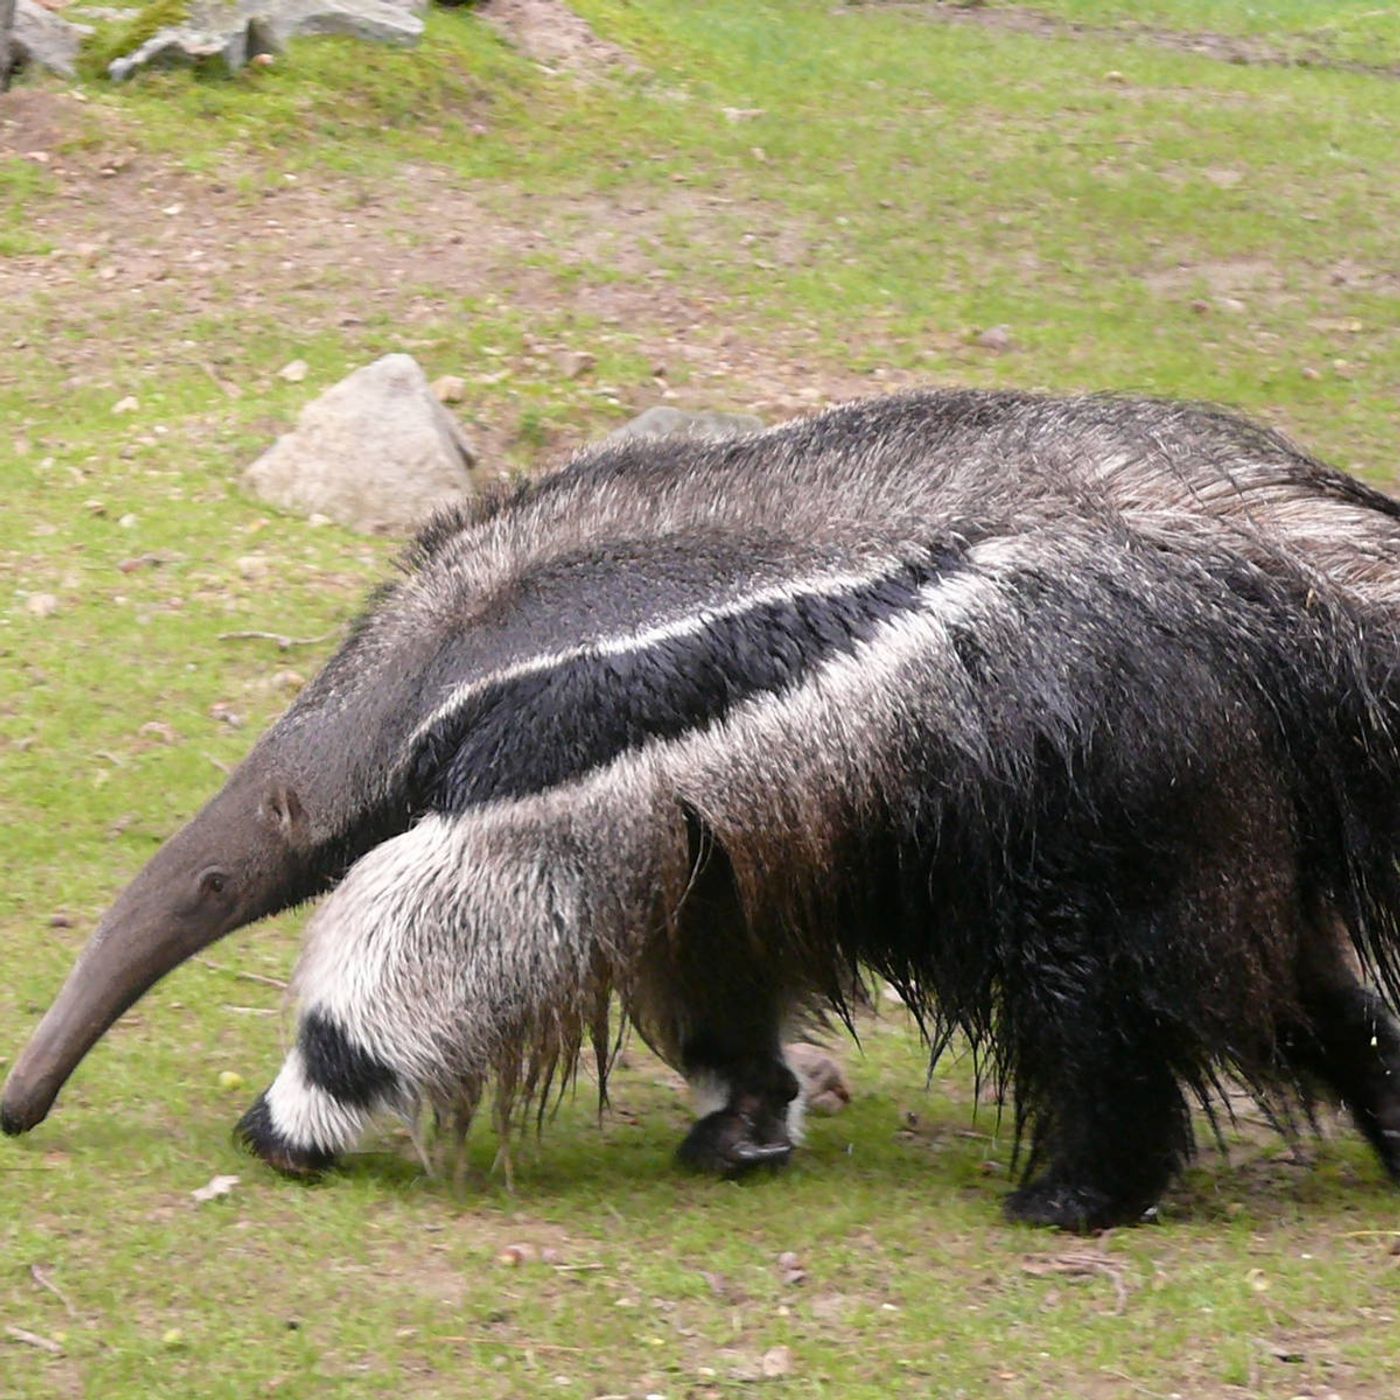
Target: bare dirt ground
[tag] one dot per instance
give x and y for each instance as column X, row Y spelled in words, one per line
column 135, row 240
column 549, row 32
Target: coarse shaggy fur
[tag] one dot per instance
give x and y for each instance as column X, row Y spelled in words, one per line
column 1075, row 719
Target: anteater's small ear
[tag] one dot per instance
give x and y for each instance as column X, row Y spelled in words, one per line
column 281, row 809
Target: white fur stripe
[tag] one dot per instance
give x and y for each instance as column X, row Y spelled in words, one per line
column 308, row 1117
column 686, row 626
column 960, row 598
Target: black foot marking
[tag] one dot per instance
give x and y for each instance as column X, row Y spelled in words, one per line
column 1080, row 1209
column 256, row 1132
column 728, row 1144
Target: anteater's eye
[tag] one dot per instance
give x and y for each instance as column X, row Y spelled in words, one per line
column 213, row 882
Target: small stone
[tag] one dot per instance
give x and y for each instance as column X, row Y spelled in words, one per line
column 996, row 338
column 288, row 680
column 514, row 1255
column 294, row 372
column 252, row 566
column 777, row 1361
column 60, row 920
column 127, row 522
column 575, row 364
column 127, row 405
column 41, row 605
column 825, row 1088
column 450, row 388
column 224, row 713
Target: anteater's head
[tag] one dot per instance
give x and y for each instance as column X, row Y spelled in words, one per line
column 246, row 855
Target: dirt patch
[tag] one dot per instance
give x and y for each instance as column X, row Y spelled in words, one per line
column 550, row 33
column 34, row 120
column 135, row 240
column 1224, row 48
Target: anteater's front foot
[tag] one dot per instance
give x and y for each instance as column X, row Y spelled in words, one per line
column 729, row 1143
column 1050, row 1200
column 259, row 1134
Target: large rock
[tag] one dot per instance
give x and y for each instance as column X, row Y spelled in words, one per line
column 43, row 40
column 376, row 452
column 236, row 31
column 8, row 57
column 675, row 422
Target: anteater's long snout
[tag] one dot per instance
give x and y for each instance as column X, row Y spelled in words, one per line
column 115, row 969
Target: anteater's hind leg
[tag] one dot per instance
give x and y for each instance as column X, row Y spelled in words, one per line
column 1112, row 1130
column 1350, row 1041
column 1093, row 1070
column 713, row 1003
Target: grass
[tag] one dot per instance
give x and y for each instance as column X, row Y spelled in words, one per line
column 1346, row 31
column 783, row 197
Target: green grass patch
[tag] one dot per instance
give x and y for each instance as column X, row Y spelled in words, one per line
column 783, row 196
column 1354, row 31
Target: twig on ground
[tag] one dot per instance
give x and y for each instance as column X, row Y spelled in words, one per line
column 246, row 976
column 42, row 1279
column 33, row 1339
column 232, row 390
column 283, row 643
column 1141, row 1389
column 1082, row 1265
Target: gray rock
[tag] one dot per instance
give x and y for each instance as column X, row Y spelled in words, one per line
column 676, row 422
column 376, row 452
column 8, row 58
column 45, row 40
column 239, row 31
column 824, row 1086
column 998, row 338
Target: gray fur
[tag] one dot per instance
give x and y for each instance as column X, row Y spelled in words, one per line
column 1069, row 716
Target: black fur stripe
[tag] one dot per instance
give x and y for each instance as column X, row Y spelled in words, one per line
column 257, row 1132
column 340, row 1067
column 530, row 732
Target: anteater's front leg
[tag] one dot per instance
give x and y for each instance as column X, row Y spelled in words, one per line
column 713, row 999
column 329, row 1088
column 448, row 956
